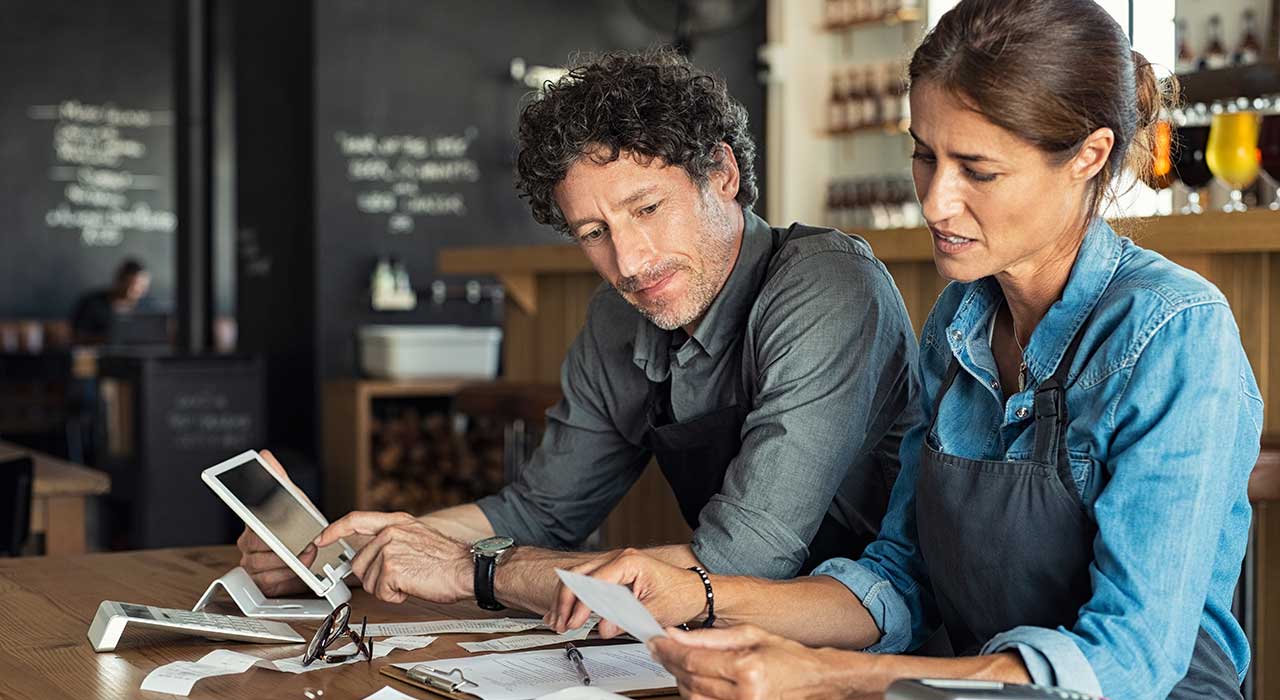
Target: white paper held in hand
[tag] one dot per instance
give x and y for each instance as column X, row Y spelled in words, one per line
column 614, row 603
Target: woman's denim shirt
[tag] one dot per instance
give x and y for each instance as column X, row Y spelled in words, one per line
column 1165, row 424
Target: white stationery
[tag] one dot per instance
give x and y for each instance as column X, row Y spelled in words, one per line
column 530, row 641
column 582, row 692
column 179, row 677
column 614, row 603
column 389, row 693
column 505, row 624
column 531, row 674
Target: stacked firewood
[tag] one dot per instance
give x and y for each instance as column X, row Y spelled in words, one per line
column 425, row 460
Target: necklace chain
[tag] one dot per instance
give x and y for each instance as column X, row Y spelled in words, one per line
column 1022, row 360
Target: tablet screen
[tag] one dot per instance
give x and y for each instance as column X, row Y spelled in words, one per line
column 280, row 511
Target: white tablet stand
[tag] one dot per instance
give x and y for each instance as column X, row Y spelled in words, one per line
column 253, row 603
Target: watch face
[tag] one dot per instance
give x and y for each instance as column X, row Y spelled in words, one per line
column 492, row 545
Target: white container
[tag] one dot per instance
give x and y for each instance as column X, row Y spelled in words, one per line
column 418, row 352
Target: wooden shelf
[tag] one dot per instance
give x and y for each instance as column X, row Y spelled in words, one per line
column 1256, row 231
column 885, row 20
column 1228, row 83
column 894, row 129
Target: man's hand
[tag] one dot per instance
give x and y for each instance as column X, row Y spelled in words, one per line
column 674, row 595
column 747, row 663
column 269, row 571
column 404, row 558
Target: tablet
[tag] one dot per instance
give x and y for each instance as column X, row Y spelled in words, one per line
column 281, row 515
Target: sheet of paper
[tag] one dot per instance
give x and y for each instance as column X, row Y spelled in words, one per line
column 498, row 626
column 389, row 693
column 530, row 641
column 614, row 603
column 179, row 677
column 582, row 692
column 530, row 674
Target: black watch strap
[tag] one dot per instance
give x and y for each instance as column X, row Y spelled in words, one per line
column 484, row 584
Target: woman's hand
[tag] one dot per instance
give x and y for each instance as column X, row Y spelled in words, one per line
column 747, row 663
column 672, row 594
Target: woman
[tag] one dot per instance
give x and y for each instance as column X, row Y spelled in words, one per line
column 1073, row 512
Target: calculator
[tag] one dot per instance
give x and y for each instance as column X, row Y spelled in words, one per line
column 113, row 617
column 940, row 689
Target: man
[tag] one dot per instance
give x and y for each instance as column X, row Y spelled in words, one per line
column 93, row 314
column 768, row 371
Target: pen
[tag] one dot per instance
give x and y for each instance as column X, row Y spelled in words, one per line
column 576, row 657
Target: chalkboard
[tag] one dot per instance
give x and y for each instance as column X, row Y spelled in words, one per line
column 416, row 111
column 86, row 149
column 189, row 413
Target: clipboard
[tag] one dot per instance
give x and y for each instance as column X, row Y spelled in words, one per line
column 453, row 684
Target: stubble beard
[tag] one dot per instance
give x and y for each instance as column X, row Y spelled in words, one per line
column 705, row 281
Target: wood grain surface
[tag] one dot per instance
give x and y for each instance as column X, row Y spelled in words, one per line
column 46, row 605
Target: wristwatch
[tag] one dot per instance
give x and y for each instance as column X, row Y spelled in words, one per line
column 487, row 554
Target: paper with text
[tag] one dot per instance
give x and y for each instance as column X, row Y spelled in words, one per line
column 530, row 674
column 614, row 603
column 530, row 641
column 179, row 677
column 505, row 624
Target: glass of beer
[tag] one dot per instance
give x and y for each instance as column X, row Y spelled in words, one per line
column 1191, row 139
column 1232, row 153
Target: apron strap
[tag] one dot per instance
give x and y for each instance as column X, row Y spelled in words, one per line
column 1051, row 415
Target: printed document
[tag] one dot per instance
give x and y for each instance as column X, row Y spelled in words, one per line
column 530, row 641
column 505, row 624
column 530, row 674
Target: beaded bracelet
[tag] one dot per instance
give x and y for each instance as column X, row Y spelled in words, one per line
column 711, row 596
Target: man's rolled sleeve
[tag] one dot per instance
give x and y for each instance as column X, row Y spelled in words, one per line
column 1051, row 658
column 887, row 607
column 734, row 538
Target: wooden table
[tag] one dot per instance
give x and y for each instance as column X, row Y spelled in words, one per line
column 46, row 605
column 58, row 497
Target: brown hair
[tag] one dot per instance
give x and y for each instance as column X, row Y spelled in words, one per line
column 1051, row 72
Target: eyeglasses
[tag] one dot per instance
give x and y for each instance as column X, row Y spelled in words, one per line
column 332, row 628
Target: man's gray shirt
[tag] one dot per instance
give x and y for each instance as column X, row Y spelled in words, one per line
column 826, row 361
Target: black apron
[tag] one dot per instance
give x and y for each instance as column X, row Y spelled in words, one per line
column 1009, row 543
column 694, row 455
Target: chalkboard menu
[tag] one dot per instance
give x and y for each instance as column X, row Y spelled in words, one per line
column 86, row 149
column 416, row 110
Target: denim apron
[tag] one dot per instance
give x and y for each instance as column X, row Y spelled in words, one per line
column 1009, row 543
column 695, row 454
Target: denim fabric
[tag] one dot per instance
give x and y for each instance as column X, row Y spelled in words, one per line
column 1165, row 426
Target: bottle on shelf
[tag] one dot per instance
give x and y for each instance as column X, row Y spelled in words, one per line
column 860, row 11
column 889, row 101
column 871, row 115
column 833, row 13
column 1186, row 60
column 854, row 96
column 1250, row 48
column 1215, row 53
column 836, row 107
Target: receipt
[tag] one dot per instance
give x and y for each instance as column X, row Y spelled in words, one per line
column 529, row 641
column 179, row 677
column 614, row 603
column 505, row 624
